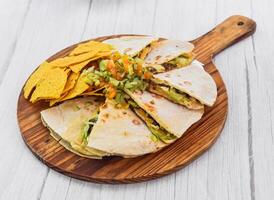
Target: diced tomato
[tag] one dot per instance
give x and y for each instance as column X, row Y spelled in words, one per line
column 125, row 62
column 147, row 75
column 111, row 68
column 111, row 92
column 139, row 69
column 119, row 76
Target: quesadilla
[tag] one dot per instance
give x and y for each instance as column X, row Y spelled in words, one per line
column 132, row 45
column 119, row 131
column 174, row 118
column 68, row 123
column 87, row 129
column 190, row 86
column 169, row 54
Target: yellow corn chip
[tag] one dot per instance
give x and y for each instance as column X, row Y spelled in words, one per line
column 76, row 68
column 103, row 54
column 52, row 86
column 71, row 82
column 90, row 46
column 93, row 92
column 54, row 101
column 70, row 60
column 80, row 87
column 36, row 77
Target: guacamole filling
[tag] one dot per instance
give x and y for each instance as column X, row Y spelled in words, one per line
column 175, row 95
column 158, row 133
column 157, row 68
column 180, row 61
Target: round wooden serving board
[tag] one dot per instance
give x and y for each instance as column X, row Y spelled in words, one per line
column 194, row 142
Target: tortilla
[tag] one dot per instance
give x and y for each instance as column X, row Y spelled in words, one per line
column 167, row 50
column 130, row 45
column 121, row 132
column 174, row 118
column 193, row 80
column 66, row 120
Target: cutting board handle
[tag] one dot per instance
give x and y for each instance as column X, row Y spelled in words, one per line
column 230, row 31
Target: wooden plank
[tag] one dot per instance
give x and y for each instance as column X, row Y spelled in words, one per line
column 196, row 140
column 259, row 58
column 187, row 178
column 12, row 21
column 224, row 159
column 46, row 30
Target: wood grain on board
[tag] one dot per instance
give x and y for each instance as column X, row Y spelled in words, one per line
column 195, row 141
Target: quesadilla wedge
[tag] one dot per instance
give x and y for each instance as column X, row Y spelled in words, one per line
column 190, row 86
column 174, row 118
column 119, row 131
column 132, row 45
column 68, row 124
column 89, row 130
column 169, row 54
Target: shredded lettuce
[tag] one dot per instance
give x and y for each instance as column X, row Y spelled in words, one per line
column 86, row 129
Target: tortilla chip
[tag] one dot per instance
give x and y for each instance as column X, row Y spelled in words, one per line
column 71, row 82
column 70, row 60
column 36, row 77
column 90, row 46
column 103, row 54
column 93, row 92
column 54, row 101
column 80, row 87
column 76, row 68
column 52, row 86
column 79, row 66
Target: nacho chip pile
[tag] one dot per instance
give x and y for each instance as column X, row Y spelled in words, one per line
column 62, row 78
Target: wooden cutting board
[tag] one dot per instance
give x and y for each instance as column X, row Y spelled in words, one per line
column 194, row 142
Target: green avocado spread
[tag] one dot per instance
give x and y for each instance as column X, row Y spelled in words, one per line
column 182, row 60
column 175, row 96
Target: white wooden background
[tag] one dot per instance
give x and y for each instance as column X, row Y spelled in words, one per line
column 241, row 163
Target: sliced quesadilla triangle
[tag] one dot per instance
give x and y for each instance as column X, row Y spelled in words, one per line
column 176, row 119
column 166, row 50
column 193, row 80
column 119, row 131
column 66, row 122
column 130, row 45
